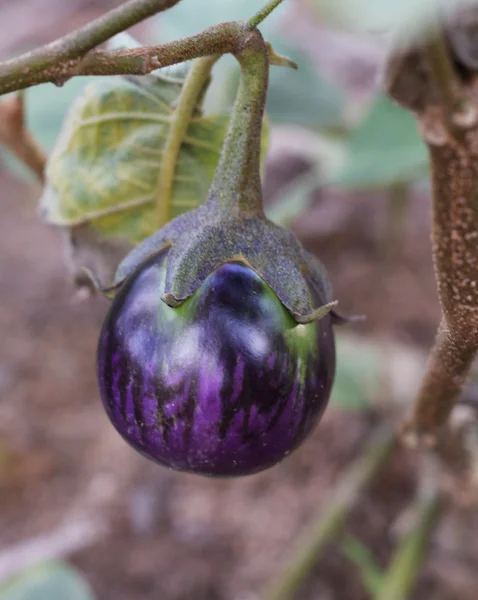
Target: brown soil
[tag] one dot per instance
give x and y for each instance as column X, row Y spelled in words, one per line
column 177, row 536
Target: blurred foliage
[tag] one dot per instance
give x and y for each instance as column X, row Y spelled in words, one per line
column 360, row 370
column 327, row 154
column 294, row 199
column 360, row 555
column 105, row 166
column 303, row 97
column 46, row 108
column 53, row 581
column 383, row 149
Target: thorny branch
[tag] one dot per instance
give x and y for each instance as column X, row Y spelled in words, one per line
column 424, row 78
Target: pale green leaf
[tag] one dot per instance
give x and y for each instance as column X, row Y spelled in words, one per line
column 303, row 97
column 360, row 369
column 54, row 581
column 46, row 108
column 294, row 199
column 385, row 148
column 105, row 167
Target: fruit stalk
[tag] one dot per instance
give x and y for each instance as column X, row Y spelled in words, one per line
column 236, row 187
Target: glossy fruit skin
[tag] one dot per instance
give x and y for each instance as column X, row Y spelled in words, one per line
column 226, row 384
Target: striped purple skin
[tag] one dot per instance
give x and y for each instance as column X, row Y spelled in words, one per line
column 225, row 384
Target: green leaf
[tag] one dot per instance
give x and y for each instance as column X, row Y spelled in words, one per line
column 360, row 555
column 385, row 148
column 105, row 167
column 55, row 581
column 359, row 373
column 46, row 107
column 303, row 97
column 294, row 199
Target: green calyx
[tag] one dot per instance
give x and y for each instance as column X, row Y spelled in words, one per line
column 231, row 225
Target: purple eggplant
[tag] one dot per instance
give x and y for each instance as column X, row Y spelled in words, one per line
column 226, row 384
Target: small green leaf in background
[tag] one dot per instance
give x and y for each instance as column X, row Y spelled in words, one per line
column 105, row 166
column 362, row 558
column 294, row 199
column 385, row 148
column 55, row 581
column 303, row 97
column 359, row 375
column 46, row 107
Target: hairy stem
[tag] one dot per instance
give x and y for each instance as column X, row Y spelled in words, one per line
column 183, row 113
column 237, row 182
column 447, row 114
column 406, row 563
column 41, row 65
column 448, row 367
column 357, row 476
column 454, row 166
column 263, row 13
column 441, row 68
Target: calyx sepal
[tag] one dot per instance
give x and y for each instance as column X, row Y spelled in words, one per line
column 203, row 240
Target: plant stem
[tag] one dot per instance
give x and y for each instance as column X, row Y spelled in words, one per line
column 183, row 113
column 408, row 558
column 263, row 13
column 397, row 207
column 453, row 150
column 237, row 181
column 40, row 65
column 72, row 55
column 441, row 68
column 447, row 372
column 454, row 167
column 15, row 136
column 357, row 476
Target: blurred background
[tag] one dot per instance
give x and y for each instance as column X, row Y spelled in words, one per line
column 81, row 514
